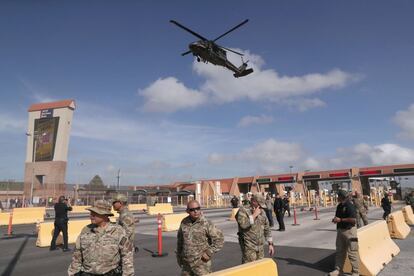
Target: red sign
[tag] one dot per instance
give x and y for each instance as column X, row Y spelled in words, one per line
column 372, row 172
column 285, row 178
column 342, row 174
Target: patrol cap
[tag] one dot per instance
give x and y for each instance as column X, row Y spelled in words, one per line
column 101, row 207
column 260, row 199
column 120, row 198
column 342, row 193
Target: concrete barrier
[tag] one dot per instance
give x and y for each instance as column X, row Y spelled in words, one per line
column 408, row 215
column 233, row 213
column 29, row 209
column 160, row 209
column 172, row 222
column 376, row 248
column 80, row 209
column 137, row 207
column 45, row 232
column 397, row 226
column 4, row 218
column 263, row 267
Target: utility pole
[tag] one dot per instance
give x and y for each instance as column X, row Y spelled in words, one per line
column 118, row 179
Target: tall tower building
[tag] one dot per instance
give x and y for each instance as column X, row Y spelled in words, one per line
column 48, row 135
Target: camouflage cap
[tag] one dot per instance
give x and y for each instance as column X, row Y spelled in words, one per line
column 260, row 199
column 101, row 207
column 120, row 198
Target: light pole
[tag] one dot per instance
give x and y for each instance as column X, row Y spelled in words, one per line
column 290, row 169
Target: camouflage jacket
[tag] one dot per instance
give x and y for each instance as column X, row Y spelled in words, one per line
column 253, row 233
column 99, row 250
column 127, row 221
column 196, row 238
column 359, row 204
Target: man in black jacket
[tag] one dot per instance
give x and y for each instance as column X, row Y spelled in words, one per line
column 279, row 211
column 61, row 223
column 386, row 206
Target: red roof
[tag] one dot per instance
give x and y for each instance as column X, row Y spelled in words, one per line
column 52, row 105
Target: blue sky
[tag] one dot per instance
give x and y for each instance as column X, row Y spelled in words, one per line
column 332, row 86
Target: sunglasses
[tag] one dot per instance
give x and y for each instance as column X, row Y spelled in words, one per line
column 194, row 209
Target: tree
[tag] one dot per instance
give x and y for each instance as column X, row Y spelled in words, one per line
column 96, row 183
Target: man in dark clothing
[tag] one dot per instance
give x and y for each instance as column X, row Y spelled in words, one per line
column 61, row 223
column 346, row 237
column 386, row 206
column 234, row 202
column 279, row 211
column 286, row 204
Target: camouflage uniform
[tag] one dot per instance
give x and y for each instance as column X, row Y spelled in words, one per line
column 102, row 250
column 193, row 240
column 126, row 220
column 361, row 211
column 252, row 234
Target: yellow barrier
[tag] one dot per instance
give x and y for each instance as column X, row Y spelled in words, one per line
column 408, row 215
column 263, row 267
column 160, row 209
column 172, row 222
column 45, row 232
column 80, row 209
column 29, row 210
column 397, row 226
column 376, row 248
column 137, row 207
column 4, row 218
column 233, row 213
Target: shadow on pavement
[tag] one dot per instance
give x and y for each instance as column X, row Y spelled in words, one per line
column 15, row 259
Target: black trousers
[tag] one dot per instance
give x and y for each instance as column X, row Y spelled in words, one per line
column 279, row 216
column 386, row 213
column 61, row 225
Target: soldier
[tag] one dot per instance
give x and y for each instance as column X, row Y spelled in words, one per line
column 102, row 248
column 126, row 219
column 346, row 237
column 254, row 230
column 197, row 240
column 361, row 209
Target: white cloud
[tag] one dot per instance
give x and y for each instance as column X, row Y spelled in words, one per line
column 366, row 155
column 304, row 104
column 219, row 86
column 267, row 156
column 9, row 124
column 255, row 120
column 405, row 120
column 169, row 95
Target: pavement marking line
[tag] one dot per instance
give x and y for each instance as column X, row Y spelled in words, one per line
column 397, row 226
column 263, row 267
column 376, row 248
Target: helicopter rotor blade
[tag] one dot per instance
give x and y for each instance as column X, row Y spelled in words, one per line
column 227, row 49
column 232, row 29
column 188, row 30
column 186, row 53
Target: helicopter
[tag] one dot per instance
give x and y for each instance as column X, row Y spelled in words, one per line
column 209, row 51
